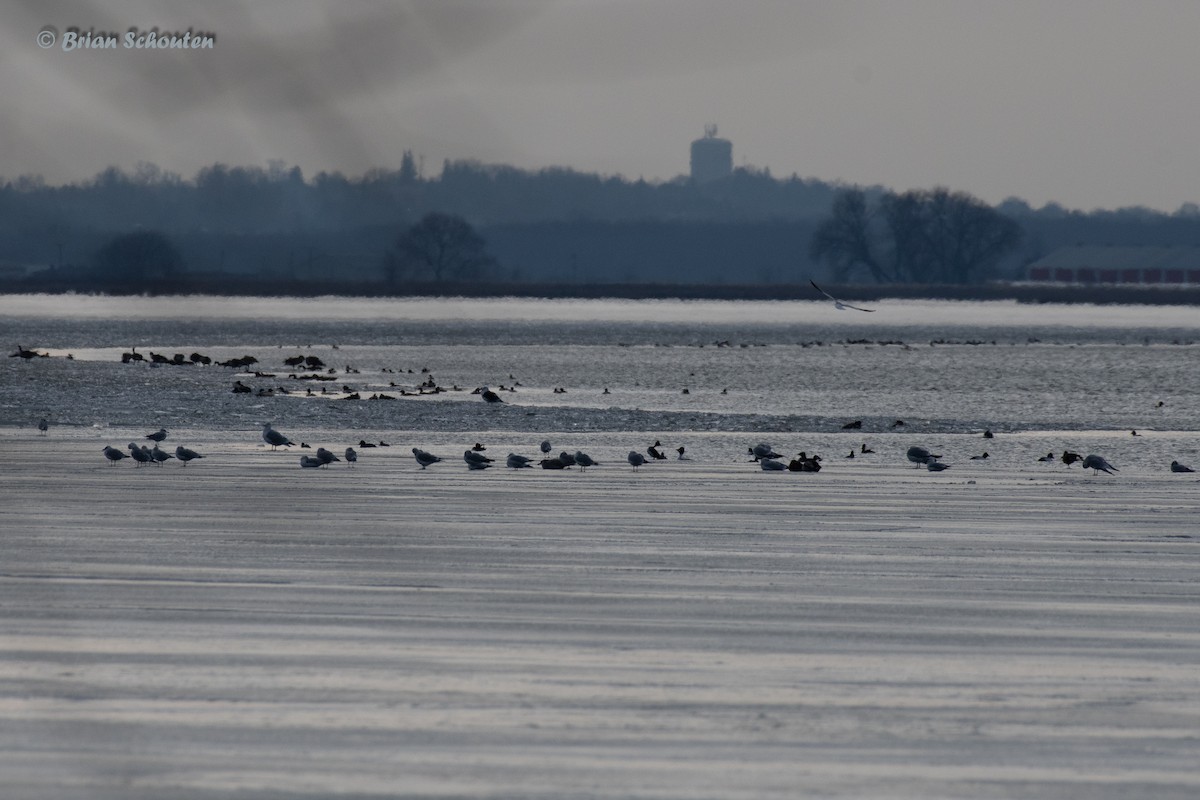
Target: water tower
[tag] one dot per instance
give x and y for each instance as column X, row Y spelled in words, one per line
column 712, row 158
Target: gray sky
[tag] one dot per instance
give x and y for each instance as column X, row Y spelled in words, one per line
column 1089, row 103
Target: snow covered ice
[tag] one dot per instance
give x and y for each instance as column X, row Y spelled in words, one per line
column 694, row 629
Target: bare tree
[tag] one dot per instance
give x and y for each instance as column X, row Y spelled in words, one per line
column 137, row 256
column 935, row 236
column 445, row 247
column 846, row 240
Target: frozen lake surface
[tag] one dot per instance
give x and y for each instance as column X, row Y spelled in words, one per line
column 241, row 627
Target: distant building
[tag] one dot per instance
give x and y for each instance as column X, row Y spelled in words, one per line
column 712, row 158
column 1098, row 264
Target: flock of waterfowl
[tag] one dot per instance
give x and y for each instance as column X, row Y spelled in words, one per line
column 475, row 457
column 762, row 454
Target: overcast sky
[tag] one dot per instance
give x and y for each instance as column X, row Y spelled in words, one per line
column 1088, row 103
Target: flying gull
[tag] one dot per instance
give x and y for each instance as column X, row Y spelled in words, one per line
column 838, row 304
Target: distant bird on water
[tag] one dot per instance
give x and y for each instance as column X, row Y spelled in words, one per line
column 423, row 458
column 682, row 450
column 838, row 304
column 113, row 454
column 635, row 459
column 1097, row 464
column 1046, row 459
column 186, row 454
column 982, row 457
column 274, row 437
column 158, row 435
column 1177, row 467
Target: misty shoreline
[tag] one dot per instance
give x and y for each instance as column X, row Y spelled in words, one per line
column 230, row 286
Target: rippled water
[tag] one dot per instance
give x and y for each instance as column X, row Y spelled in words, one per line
column 703, row 366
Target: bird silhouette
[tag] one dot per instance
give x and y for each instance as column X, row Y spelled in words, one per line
column 1098, row 464
column 838, row 304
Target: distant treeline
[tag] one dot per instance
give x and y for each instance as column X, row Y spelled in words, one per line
column 548, row 227
column 51, row 282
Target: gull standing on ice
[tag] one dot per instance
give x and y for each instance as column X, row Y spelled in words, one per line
column 838, row 304
column 489, row 396
column 113, row 454
column 584, row 460
column 274, row 437
column 920, row 456
column 325, row 456
column 423, row 458
column 158, row 435
column 1098, row 464
column 351, row 455
column 185, row 454
column 546, row 447
column 43, row 426
column 635, row 459
column 474, row 458
column 138, row 454
column 763, row 450
column 160, row 455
